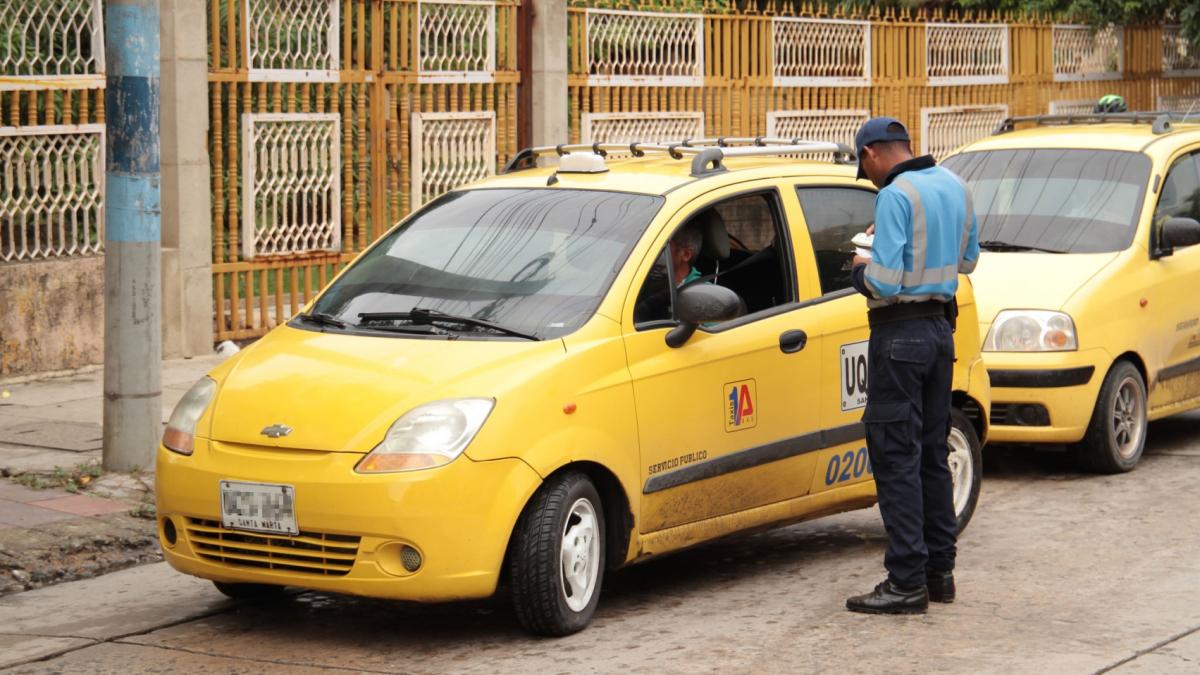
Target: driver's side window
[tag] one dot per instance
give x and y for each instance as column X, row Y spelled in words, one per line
column 1180, row 195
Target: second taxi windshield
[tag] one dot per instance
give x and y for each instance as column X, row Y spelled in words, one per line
column 1052, row 199
column 536, row 261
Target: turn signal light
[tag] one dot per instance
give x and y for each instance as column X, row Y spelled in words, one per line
column 383, row 463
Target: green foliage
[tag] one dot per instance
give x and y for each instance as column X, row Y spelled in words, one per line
column 71, row 480
column 26, row 47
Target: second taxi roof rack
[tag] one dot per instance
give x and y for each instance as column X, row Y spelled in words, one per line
column 707, row 153
column 1160, row 120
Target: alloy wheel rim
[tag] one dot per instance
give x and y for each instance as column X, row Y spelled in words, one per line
column 962, row 469
column 1127, row 419
column 579, row 555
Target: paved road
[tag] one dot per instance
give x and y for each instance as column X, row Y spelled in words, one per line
column 1059, row 572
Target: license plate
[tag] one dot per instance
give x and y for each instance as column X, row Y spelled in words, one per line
column 258, row 507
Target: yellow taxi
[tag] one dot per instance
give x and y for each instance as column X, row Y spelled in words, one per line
column 1085, row 285
column 549, row 375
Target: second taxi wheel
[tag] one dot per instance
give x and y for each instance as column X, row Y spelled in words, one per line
column 556, row 563
column 1116, row 435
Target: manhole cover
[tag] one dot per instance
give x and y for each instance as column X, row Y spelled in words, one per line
column 72, row 436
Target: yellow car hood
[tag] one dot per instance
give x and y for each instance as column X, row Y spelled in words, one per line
column 1031, row 280
column 341, row 392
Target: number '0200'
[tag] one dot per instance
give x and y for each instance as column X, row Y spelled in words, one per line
column 849, row 465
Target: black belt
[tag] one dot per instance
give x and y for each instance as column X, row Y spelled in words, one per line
column 902, row 311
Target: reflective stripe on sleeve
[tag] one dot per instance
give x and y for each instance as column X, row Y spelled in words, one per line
column 884, row 275
column 919, row 226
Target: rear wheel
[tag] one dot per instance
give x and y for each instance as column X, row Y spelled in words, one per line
column 250, row 592
column 1116, row 435
column 966, row 466
column 556, row 565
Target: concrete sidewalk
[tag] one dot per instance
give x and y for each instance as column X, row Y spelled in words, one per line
column 61, row 517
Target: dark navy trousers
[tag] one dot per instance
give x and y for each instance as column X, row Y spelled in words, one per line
column 909, row 375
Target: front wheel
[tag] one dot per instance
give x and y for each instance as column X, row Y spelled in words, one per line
column 556, row 565
column 1116, row 435
column 966, row 466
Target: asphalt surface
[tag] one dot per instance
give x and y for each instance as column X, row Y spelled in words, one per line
column 1058, row 572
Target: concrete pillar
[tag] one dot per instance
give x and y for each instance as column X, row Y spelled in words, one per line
column 186, row 176
column 548, row 67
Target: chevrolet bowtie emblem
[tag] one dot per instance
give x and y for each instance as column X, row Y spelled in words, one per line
column 276, row 431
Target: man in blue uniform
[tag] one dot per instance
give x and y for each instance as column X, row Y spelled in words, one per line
column 925, row 235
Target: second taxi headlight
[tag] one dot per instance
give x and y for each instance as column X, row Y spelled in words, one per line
column 428, row 436
column 1030, row 330
column 180, row 433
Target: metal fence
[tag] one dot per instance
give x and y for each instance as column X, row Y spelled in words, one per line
column 810, row 71
column 330, row 120
column 51, row 129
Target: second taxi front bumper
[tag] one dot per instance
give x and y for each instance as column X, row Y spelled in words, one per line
column 1044, row 397
column 358, row 533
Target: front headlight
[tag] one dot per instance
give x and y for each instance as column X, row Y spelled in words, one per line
column 429, row 435
column 1031, row 330
column 181, row 428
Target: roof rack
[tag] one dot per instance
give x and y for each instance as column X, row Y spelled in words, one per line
column 707, row 153
column 1160, row 120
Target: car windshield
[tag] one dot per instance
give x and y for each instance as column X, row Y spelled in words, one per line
column 532, row 261
column 1070, row 201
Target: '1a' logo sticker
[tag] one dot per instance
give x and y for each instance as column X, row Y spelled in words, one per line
column 741, row 402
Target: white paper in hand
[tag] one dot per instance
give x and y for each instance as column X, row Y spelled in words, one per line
column 863, row 242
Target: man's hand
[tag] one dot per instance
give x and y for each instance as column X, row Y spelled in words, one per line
column 871, row 228
column 859, row 260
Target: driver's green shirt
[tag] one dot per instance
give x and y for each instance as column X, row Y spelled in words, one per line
column 693, row 275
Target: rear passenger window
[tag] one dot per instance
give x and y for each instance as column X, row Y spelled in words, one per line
column 1180, row 195
column 834, row 216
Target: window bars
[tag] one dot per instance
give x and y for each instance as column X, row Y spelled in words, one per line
column 293, row 188
column 821, row 52
column 51, row 191
column 50, row 43
column 644, row 48
column 1083, row 53
column 449, row 150
column 457, row 41
column 944, row 130
column 966, row 53
column 1180, row 57
column 292, row 40
column 1181, row 104
column 647, row 127
column 834, row 126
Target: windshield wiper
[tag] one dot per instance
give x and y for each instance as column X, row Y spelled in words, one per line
column 429, row 316
column 322, row 319
column 1005, row 246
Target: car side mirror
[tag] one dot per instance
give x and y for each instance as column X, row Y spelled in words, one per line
column 1178, row 232
column 701, row 303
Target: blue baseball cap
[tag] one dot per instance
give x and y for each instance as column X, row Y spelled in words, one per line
column 876, row 130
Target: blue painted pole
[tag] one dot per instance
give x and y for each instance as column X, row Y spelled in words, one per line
column 133, row 238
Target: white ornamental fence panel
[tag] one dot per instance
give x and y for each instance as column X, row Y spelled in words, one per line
column 644, row 48
column 1074, row 106
column 51, row 191
column 1180, row 57
column 51, row 44
column 293, row 189
column 641, row 127
column 1183, row 104
column 966, row 53
column 944, row 130
column 292, row 40
column 449, row 150
column 457, row 41
column 834, row 126
column 821, row 52
column 1084, row 53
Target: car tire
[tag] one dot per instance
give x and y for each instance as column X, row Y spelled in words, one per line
column 554, row 592
column 250, row 592
column 1116, row 435
column 966, row 467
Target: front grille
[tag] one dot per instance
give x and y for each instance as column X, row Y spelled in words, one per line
column 307, row 553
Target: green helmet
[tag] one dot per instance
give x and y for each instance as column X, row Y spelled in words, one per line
column 1111, row 103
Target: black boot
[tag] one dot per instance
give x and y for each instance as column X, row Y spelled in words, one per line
column 941, row 586
column 890, row 599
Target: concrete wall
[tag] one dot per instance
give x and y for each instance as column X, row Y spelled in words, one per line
column 51, row 315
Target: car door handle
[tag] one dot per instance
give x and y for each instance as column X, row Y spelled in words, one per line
column 792, row 341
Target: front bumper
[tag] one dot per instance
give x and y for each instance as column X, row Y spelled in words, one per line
column 1066, row 384
column 353, row 527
